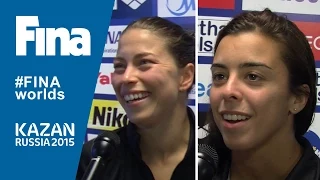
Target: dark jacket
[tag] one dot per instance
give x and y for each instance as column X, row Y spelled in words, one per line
column 128, row 164
column 307, row 168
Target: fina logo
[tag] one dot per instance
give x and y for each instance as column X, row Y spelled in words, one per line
column 135, row 4
column 182, row 9
column 45, row 38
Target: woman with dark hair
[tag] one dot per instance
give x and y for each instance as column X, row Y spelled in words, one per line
column 263, row 98
column 153, row 74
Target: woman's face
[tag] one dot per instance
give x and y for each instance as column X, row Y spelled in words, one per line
column 146, row 77
column 250, row 97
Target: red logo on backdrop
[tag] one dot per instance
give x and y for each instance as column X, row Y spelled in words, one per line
column 104, row 79
column 312, row 32
column 218, row 4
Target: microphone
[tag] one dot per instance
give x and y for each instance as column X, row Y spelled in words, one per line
column 207, row 162
column 103, row 149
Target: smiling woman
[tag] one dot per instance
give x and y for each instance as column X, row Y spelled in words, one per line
column 153, row 74
column 262, row 99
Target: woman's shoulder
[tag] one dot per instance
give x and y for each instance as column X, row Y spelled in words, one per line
column 308, row 167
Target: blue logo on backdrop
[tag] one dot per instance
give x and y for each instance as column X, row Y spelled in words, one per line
column 314, row 141
column 132, row 9
column 184, row 7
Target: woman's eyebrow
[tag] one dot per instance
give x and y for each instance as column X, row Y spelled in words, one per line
column 242, row 65
column 253, row 64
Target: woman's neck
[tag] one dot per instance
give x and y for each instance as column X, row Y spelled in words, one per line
column 275, row 160
column 171, row 136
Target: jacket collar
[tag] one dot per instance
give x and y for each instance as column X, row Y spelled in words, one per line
column 307, row 168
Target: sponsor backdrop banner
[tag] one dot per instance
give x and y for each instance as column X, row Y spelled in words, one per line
column 213, row 15
column 51, row 52
column 106, row 112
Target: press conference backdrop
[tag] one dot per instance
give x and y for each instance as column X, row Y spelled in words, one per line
column 106, row 112
column 214, row 14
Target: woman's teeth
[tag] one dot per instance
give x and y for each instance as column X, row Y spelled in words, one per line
column 233, row 117
column 136, row 96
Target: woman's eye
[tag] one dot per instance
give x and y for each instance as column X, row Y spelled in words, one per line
column 145, row 61
column 253, row 77
column 218, row 77
column 118, row 65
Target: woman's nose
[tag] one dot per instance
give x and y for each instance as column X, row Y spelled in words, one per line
column 130, row 75
column 232, row 89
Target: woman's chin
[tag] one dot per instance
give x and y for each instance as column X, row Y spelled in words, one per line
column 237, row 144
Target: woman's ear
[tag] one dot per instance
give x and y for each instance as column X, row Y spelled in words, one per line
column 300, row 100
column 187, row 76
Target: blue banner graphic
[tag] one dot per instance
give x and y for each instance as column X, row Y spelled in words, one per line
column 51, row 54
